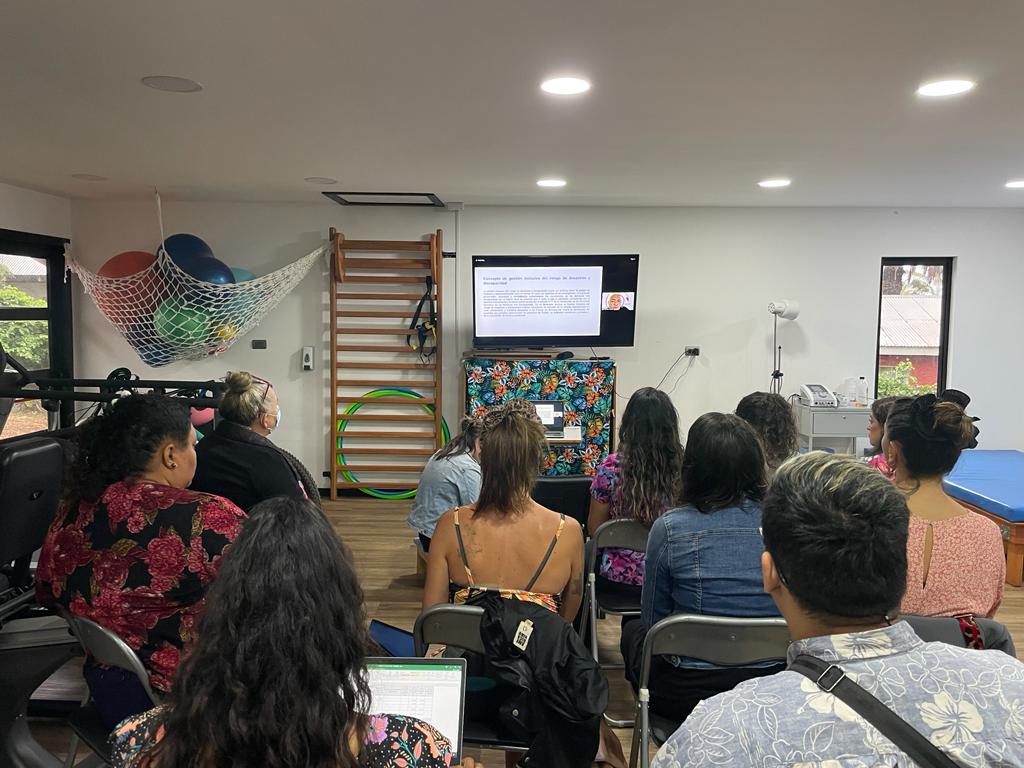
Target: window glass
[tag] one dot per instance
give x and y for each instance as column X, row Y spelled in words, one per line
column 911, row 332
column 22, row 281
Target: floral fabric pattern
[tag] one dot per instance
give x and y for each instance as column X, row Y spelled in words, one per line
column 585, row 386
column 879, row 462
column 624, row 566
column 391, row 741
column 968, row 703
column 139, row 562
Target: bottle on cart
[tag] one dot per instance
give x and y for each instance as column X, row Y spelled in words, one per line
column 862, row 391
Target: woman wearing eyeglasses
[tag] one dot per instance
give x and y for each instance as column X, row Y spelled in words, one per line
column 238, row 460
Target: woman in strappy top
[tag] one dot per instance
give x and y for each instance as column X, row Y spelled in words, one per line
column 507, row 542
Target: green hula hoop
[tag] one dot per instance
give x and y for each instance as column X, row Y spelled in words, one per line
column 378, row 493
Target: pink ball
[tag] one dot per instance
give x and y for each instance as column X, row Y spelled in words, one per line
column 201, row 416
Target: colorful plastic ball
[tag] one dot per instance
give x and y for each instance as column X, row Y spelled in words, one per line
column 180, row 324
column 186, row 246
column 241, row 275
column 227, row 332
column 201, row 416
column 126, row 263
column 207, row 269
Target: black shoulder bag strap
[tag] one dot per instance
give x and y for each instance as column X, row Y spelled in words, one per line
column 832, row 679
column 425, row 329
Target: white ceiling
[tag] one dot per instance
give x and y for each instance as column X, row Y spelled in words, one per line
column 692, row 102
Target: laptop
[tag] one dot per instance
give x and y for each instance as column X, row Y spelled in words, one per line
column 392, row 640
column 432, row 690
column 552, row 416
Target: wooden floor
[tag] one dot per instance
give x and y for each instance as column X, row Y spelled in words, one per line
column 385, row 557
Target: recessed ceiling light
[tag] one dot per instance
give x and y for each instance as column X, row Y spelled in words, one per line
column 550, row 182
column 88, row 177
column 565, row 86
column 1015, row 184
column 941, row 88
column 320, row 180
column 171, row 84
column 774, row 183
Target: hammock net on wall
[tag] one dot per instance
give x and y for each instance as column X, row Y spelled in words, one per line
column 166, row 314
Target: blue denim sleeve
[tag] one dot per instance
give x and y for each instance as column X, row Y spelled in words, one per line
column 467, row 484
column 656, row 602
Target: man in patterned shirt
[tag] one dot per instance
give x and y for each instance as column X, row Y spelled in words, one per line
column 836, row 534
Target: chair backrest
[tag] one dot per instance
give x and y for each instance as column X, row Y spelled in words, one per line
column 31, row 480
column 719, row 640
column 627, row 534
column 109, row 649
column 946, row 629
column 569, row 495
column 455, row 625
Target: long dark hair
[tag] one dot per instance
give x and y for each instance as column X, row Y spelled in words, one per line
column 470, row 431
column 277, row 676
column 650, row 456
column 510, row 454
column 723, row 463
column 119, row 443
column 772, row 419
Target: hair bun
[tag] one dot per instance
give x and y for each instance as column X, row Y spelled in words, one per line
column 238, row 382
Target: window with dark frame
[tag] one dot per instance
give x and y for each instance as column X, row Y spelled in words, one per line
column 35, row 321
column 913, row 326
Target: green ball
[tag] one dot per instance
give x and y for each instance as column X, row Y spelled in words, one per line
column 180, row 324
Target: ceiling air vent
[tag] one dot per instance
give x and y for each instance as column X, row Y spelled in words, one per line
column 406, row 199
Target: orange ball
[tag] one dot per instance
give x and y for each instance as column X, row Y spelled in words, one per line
column 127, row 263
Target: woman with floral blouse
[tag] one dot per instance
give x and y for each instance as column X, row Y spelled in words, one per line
column 131, row 547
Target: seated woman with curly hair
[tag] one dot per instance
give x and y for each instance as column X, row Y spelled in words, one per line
column 132, row 548
column 772, row 419
column 277, row 676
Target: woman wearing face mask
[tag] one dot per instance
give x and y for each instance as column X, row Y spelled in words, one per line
column 238, row 461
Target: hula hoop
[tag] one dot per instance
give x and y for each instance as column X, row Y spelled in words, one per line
column 342, row 424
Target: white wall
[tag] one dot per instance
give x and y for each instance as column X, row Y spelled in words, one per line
column 25, row 210
column 706, row 277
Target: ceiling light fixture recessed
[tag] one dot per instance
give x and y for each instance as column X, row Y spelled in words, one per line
column 320, row 180
column 565, row 86
column 1015, row 184
column 171, row 84
column 552, row 183
column 940, row 88
column 88, row 177
column 774, row 183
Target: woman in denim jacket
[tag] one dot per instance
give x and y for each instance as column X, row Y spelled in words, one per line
column 705, row 558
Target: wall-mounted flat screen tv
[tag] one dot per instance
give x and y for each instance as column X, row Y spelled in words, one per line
column 554, row 301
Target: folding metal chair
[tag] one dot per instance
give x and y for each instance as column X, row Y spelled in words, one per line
column 946, row 629
column 458, row 626
column 725, row 642
column 625, row 534
column 108, row 649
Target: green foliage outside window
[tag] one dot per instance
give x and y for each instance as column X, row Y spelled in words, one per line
column 899, row 381
column 26, row 340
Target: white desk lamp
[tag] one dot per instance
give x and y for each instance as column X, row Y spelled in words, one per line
column 788, row 310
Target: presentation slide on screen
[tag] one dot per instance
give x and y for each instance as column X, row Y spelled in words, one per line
column 432, row 694
column 538, row 301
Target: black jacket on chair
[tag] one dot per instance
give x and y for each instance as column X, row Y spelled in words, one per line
column 554, row 693
column 246, row 468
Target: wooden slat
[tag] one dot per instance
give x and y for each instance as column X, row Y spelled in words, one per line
column 377, row 331
column 379, row 296
column 409, row 313
column 371, row 364
column 385, row 245
column 384, row 484
column 383, row 264
column 384, row 467
column 374, row 348
column 381, row 279
column 396, row 400
column 384, row 434
column 385, row 417
column 336, row 239
column 409, row 383
column 356, row 451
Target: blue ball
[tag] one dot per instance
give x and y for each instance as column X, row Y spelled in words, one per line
column 210, row 270
column 186, row 246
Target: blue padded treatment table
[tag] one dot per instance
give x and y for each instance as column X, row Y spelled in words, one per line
column 992, row 484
